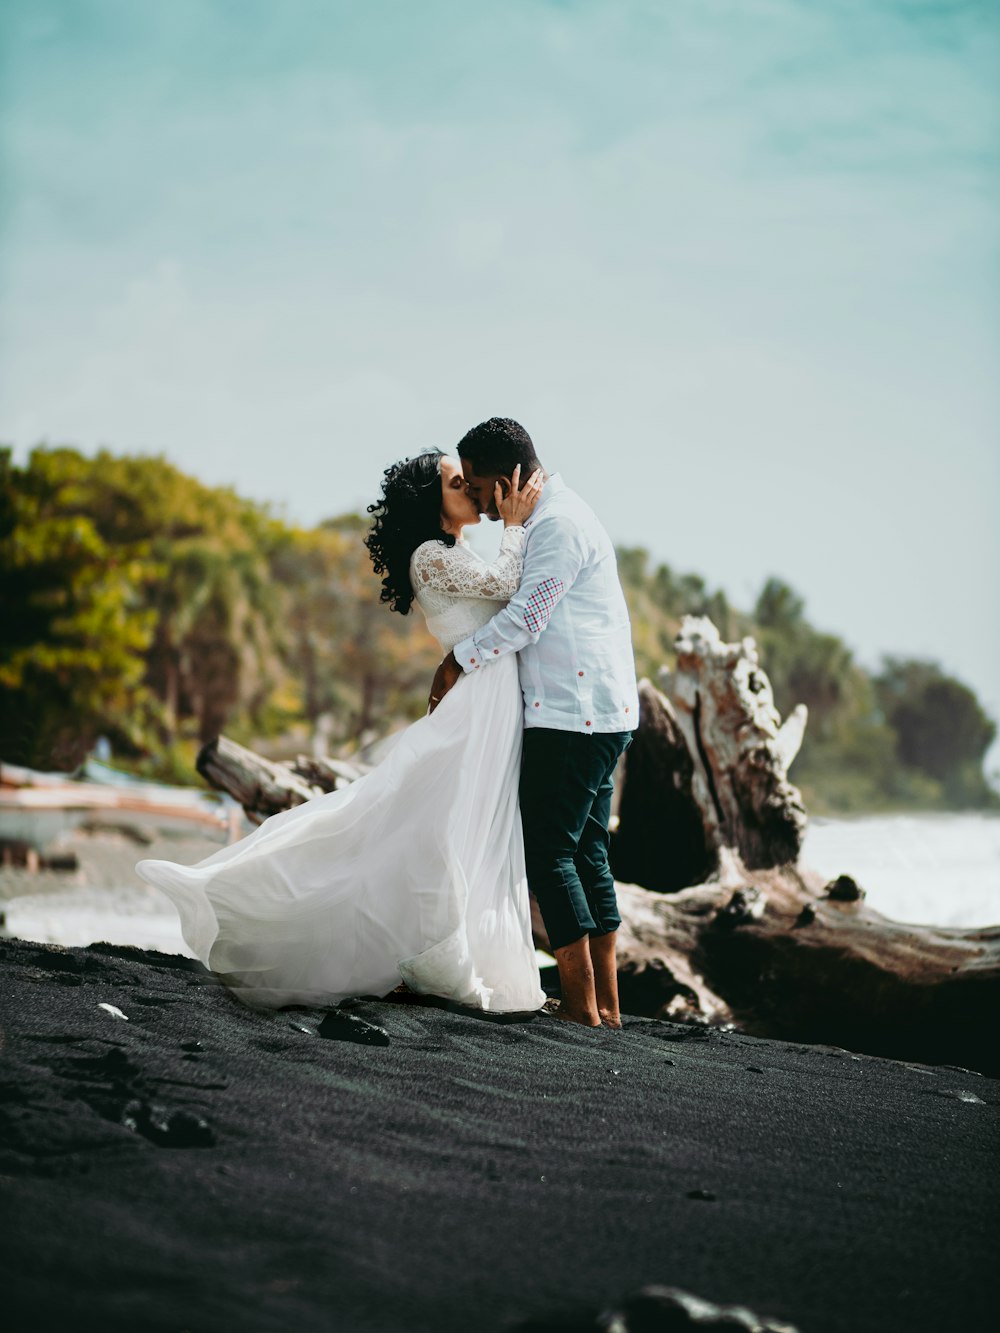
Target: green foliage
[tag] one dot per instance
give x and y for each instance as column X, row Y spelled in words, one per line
column 355, row 663
column 658, row 598
column 909, row 739
column 75, row 629
column 140, row 604
column 940, row 728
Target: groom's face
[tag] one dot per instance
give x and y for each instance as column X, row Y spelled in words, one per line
column 483, row 489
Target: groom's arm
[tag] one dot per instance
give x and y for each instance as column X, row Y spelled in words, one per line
column 553, row 557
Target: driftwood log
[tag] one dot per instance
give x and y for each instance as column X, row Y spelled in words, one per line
column 264, row 787
column 720, row 922
column 759, row 939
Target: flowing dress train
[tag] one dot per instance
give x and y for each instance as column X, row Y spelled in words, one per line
column 414, row 872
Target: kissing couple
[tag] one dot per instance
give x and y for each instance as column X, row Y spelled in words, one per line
column 420, row 871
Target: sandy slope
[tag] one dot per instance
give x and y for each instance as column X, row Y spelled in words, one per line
column 466, row 1176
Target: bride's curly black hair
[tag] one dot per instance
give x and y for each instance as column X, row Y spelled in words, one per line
column 408, row 513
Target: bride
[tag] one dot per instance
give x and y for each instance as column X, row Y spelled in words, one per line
column 414, row 872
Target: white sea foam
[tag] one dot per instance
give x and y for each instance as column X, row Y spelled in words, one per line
column 936, row 869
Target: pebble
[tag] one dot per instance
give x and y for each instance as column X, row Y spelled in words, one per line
column 167, row 1128
column 113, row 1010
column 746, row 904
column 115, row 1064
column 844, row 889
column 665, row 1308
column 302, row 1027
column 958, row 1095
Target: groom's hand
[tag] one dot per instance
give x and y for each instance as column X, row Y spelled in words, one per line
column 444, row 678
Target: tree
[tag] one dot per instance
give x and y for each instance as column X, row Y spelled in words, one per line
column 779, row 608
column 940, row 727
column 134, row 599
column 216, row 652
column 359, row 665
column 74, row 626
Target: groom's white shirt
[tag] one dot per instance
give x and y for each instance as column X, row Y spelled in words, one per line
column 567, row 622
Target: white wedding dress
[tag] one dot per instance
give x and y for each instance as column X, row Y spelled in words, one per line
column 414, row 872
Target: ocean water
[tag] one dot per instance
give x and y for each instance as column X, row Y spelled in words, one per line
column 76, row 917
column 939, row 870
column 934, row 869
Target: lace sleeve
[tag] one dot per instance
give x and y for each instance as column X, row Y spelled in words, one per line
column 457, row 569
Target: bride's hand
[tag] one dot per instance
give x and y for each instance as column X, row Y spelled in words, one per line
column 517, row 504
column 444, row 678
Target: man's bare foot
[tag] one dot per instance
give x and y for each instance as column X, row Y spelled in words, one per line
column 602, row 952
column 576, row 983
column 584, row 1020
column 560, row 1011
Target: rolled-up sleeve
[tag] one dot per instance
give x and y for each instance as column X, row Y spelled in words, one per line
column 554, row 554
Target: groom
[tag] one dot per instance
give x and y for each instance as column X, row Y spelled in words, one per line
column 569, row 625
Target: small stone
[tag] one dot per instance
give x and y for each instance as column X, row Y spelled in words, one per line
column 116, row 1063
column 958, row 1095
column 755, row 1069
column 845, row 889
column 113, row 1010
column 665, row 1308
column 807, row 916
column 167, row 1128
column 186, row 1129
column 705, row 1196
column 656, row 1309
column 746, row 904
column 303, row 1027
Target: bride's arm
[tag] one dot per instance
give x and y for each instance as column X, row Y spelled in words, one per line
column 459, row 571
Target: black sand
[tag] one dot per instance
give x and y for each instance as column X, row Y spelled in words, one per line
column 468, row 1175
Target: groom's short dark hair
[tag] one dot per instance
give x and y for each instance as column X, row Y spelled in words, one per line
column 497, row 446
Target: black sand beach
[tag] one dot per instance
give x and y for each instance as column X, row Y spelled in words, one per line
column 202, row 1166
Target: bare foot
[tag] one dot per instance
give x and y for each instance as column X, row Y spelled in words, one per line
column 603, row 955
column 583, row 1021
column 567, row 1016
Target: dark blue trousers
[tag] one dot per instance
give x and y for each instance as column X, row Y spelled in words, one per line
column 567, row 780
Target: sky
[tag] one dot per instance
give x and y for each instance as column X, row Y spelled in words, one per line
column 735, row 266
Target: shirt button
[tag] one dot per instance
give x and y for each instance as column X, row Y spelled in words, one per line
column 579, row 673
column 586, row 724
column 537, row 704
column 496, row 652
